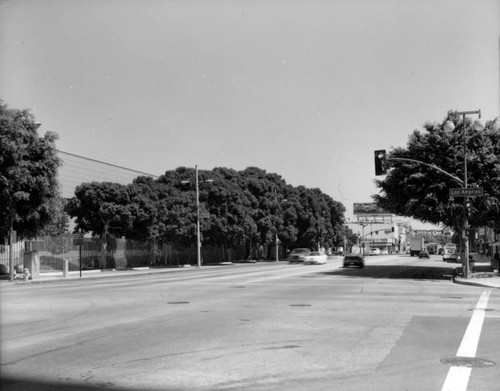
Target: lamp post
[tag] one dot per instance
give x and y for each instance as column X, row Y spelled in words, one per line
column 198, row 234
column 449, row 126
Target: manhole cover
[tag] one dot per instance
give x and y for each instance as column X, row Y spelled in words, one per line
column 300, row 305
column 469, row 362
column 178, row 302
column 283, row 347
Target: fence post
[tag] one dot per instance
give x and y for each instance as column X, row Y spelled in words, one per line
column 65, row 267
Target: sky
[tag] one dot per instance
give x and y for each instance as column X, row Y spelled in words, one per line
column 305, row 89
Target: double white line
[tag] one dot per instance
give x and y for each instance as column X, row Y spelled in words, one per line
column 458, row 377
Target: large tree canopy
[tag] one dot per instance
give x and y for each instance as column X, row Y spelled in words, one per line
column 422, row 192
column 28, row 173
column 237, row 209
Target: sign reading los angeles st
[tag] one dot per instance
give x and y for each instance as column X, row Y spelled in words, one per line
column 466, row 192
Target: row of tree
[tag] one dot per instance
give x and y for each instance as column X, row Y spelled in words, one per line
column 242, row 208
column 237, row 208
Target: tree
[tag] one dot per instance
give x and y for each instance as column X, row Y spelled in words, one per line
column 28, row 175
column 422, row 192
column 149, row 212
column 59, row 223
column 101, row 208
column 245, row 208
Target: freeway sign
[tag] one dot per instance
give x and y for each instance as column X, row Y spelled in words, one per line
column 466, row 192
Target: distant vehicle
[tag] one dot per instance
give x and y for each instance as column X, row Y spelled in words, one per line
column 315, row 258
column 441, row 251
column 432, row 248
column 424, row 254
column 450, row 254
column 416, row 245
column 298, row 255
column 354, row 260
column 375, row 251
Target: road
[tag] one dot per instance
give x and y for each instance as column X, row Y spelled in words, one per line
column 394, row 325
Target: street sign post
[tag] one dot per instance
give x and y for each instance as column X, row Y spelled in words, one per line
column 466, row 192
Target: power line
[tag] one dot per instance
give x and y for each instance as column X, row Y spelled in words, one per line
column 106, row 163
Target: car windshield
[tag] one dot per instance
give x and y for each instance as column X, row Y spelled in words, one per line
column 315, row 253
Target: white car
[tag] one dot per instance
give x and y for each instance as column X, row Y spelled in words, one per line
column 375, row 251
column 315, row 258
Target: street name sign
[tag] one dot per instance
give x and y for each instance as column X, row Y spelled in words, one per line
column 466, row 192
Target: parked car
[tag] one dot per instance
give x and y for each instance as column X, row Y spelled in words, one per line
column 424, row 254
column 298, row 255
column 375, row 251
column 315, row 258
column 354, row 260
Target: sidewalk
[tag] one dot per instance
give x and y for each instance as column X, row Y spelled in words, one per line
column 483, row 276
column 98, row 274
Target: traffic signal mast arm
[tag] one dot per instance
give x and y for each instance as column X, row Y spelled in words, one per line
column 428, row 165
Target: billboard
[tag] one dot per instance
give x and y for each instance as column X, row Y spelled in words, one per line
column 368, row 209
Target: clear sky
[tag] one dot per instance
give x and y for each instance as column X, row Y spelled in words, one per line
column 306, row 89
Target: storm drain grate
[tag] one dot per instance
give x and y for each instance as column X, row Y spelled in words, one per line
column 178, row 302
column 469, row 362
column 300, row 305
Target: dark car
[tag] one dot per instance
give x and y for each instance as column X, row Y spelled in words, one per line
column 354, row 260
column 298, row 255
column 424, row 254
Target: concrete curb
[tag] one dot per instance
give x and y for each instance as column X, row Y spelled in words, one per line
column 475, row 283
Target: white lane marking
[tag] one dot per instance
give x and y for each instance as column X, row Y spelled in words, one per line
column 470, row 341
column 458, row 377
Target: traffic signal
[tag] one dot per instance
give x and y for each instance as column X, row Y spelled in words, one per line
column 468, row 207
column 380, row 162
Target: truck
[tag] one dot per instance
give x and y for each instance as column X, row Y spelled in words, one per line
column 432, row 248
column 416, row 245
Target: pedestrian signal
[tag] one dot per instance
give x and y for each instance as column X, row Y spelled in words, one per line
column 380, row 162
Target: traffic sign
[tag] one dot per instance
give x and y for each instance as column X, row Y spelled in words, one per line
column 467, row 192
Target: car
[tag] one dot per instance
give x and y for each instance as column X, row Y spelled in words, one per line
column 298, row 255
column 315, row 258
column 375, row 251
column 424, row 254
column 450, row 254
column 354, row 260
